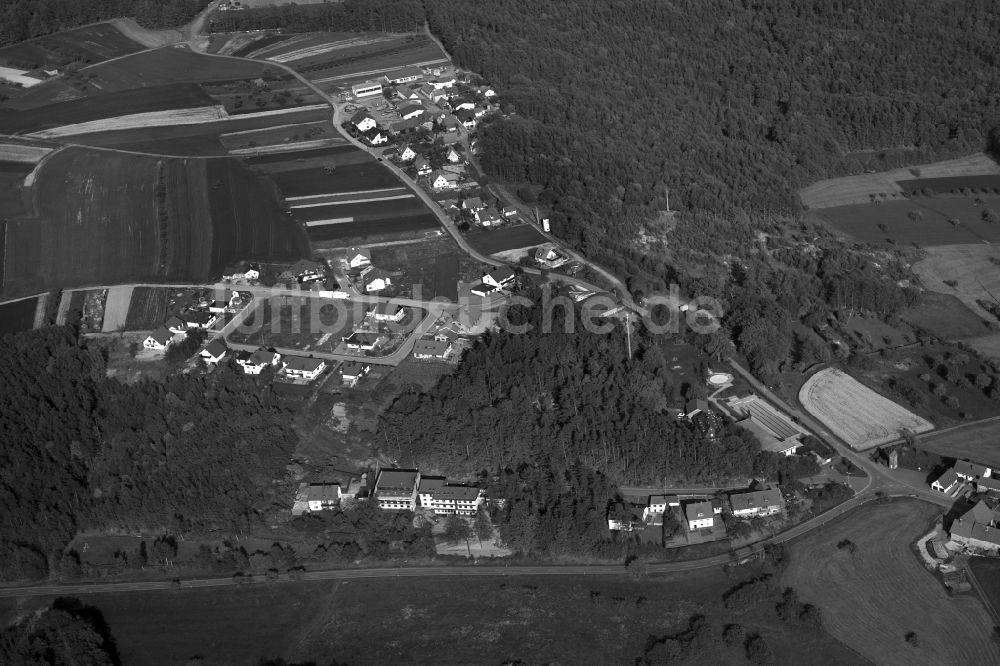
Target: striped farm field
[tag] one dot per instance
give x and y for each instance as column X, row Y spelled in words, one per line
column 875, row 594
column 855, row 413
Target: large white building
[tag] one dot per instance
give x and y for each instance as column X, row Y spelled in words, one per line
column 396, row 489
column 699, row 516
column 303, row 367
column 442, row 497
column 367, row 89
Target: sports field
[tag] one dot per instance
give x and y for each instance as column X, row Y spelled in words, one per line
column 872, row 598
column 509, row 238
column 855, row 413
column 160, row 98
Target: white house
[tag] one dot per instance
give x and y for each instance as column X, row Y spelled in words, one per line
column 971, row 471
column 699, row 515
column 254, row 363
column 213, row 352
column 658, row 504
column 500, row 277
column 323, row 496
column 483, row 289
column 358, row 257
column 352, row 371
column 363, row 341
column 375, row 279
column 376, row 137
column 467, row 118
column 453, row 156
column 387, row 312
column 442, row 180
column 363, row 121
column 444, row 498
column 367, row 89
column 159, row 339
column 252, row 273
column 396, row 489
column 431, row 348
column 218, row 307
column 487, row 92
column 303, row 367
column 758, row 503
column 200, row 319
column 407, row 154
column 948, row 483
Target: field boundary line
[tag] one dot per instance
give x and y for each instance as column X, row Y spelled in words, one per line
column 353, row 201
column 337, row 194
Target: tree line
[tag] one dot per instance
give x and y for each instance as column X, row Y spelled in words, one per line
column 347, row 16
column 82, row 451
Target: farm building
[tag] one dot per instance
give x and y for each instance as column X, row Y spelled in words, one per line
column 213, row 352
column 407, row 111
column 367, row 89
column 396, row 488
column 404, row 75
column 775, row 431
column 158, row 339
column 431, row 349
column 363, row 121
column 445, row 498
column 352, row 372
column 406, row 92
column 990, row 485
column 699, row 515
column 971, row 471
column 978, row 528
column 757, row 503
column 303, row 367
column 405, row 125
column 323, row 496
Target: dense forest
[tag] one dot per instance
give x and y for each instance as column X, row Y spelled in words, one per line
column 82, row 451
column 728, row 106
column 346, row 16
column 26, row 19
column 556, row 399
column 68, row 632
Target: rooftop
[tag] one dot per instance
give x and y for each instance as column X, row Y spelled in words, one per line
column 698, row 510
column 396, row 480
column 303, row 363
column 758, row 499
column 323, row 492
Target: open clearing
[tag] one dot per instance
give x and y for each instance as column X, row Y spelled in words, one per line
column 975, row 441
column 855, row 413
column 490, row 620
column 860, row 189
column 508, row 238
column 946, row 316
column 872, row 598
column 974, row 268
column 92, row 43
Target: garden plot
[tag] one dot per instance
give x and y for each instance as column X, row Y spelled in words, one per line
column 855, row 413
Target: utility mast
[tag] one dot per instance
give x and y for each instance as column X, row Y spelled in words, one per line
column 628, row 333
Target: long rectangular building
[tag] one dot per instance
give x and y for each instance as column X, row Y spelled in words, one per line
column 444, row 498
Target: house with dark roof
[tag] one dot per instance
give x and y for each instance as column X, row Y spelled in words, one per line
column 363, row 341
column 989, row 485
column 352, row 372
column 375, row 279
column 977, row 528
column 467, row 117
column 405, row 125
column 483, row 289
column 407, row 111
column 431, row 349
column 303, row 367
column 323, row 496
column 445, row 498
column 385, row 311
column 363, row 121
column 213, row 352
column 971, row 471
column 159, row 339
column 376, row 137
column 253, row 363
column 757, row 503
column 404, row 75
column 500, row 277
column 396, row 489
column 948, row 483
column 422, row 166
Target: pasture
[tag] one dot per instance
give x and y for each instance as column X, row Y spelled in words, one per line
column 17, row 316
column 171, row 64
column 945, row 316
column 873, row 597
column 987, row 184
column 360, row 212
column 306, row 182
column 147, row 308
column 369, row 59
column 885, row 185
column 919, row 221
column 974, row 441
column 159, row 98
column 311, row 45
column 855, row 413
column 489, row 241
column 970, row 273
column 544, row 619
column 93, row 43
column 280, row 134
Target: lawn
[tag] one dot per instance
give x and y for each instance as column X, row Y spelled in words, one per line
column 93, row 43
column 491, row 620
column 873, row 597
column 975, row 441
column 110, row 105
column 945, row 316
column 308, row 324
column 18, row 315
column 148, row 308
column 920, row 220
column 507, row 238
column 969, row 272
